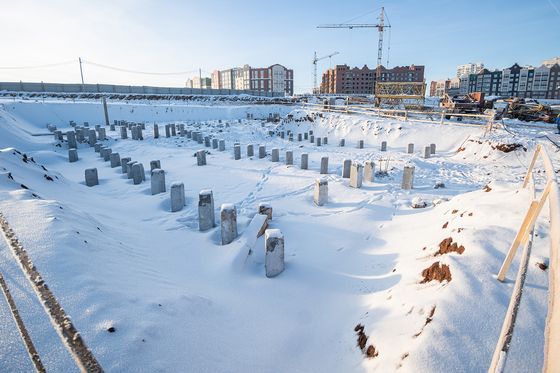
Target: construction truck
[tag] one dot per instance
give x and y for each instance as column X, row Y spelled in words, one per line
column 470, row 103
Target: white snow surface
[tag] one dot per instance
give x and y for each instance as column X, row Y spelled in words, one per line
column 114, row 255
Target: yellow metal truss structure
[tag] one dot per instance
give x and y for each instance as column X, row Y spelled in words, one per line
column 397, row 93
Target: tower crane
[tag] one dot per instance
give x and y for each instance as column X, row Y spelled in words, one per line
column 381, row 26
column 315, row 60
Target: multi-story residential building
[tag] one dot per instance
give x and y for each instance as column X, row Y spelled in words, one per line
column 198, row 82
column 516, row 81
column 551, row 62
column 275, row 78
column 469, row 68
column 486, row 81
column 464, row 84
column 345, row 80
column 216, row 79
column 440, row 87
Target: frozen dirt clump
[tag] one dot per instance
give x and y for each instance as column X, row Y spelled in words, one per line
column 370, row 351
column 506, row 148
column 438, row 272
column 448, row 246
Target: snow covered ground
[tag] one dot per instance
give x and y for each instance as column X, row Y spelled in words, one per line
column 115, row 256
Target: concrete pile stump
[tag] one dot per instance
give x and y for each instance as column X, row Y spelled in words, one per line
column 432, row 148
column 157, row 180
column 262, row 151
column 275, row 155
column 291, row 137
column 236, row 152
column 369, row 171
column 167, row 131
column 383, row 146
column 221, row 145
column 206, row 218
column 325, row 140
column 136, row 173
column 410, row 148
column 321, row 192
column 134, row 133
column 427, row 152
column 282, row 134
column 408, row 177
column 155, row 164
column 173, row 130
column 102, row 134
column 306, row 136
column 324, row 165
column 156, row 131
column 228, row 223
column 58, row 136
column 360, row 144
column 299, row 137
column 124, row 133
column 346, row 168
column 91, row 177
column 139, row 132
column 124, row 162
column 111, row 127
column 115, row 160
column 200, row 138
column 250, row 150
column 129, row 169
column 177, row 196
column 207, row 141
column 274, row 256
column 289, row 157
column 92, row 137
column 107, row 154
column 214, row 143
column 304, row 161
column 356, row 175
column 201, row 157
column 342, row 142
column 311, row 139
column 318, row 141
column 71, row 137
column 72, row 155
column 80, row 135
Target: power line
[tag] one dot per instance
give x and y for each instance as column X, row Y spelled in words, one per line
column 37, row 66
column 137, row 71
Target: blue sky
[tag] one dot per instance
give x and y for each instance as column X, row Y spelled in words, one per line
column 182, row 36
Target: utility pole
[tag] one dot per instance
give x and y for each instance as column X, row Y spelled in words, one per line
column 81, row 72
column 200, row 77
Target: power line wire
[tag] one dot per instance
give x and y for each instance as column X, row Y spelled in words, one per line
column 137, row 71
column 37, row 66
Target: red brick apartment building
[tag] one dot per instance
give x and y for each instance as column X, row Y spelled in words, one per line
column 275, row 78
column 344, row 80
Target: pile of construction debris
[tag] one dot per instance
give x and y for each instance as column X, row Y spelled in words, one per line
column 530, row 110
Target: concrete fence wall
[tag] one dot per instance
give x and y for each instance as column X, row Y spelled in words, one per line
column 123, row 89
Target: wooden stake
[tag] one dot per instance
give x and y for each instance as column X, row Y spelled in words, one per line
column 531, row 165
column 527, row 225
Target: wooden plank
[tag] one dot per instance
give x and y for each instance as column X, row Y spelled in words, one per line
column 527, row 225
column 531, row 165
column 552, row 329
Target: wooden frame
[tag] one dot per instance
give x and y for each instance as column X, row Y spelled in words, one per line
column 550, row 193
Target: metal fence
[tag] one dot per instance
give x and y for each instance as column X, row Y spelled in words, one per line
column 124, row 89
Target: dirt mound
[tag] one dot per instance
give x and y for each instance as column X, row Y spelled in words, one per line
column 448, row 246
column 370, row 351
column 506, row 148
column 436, row 271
